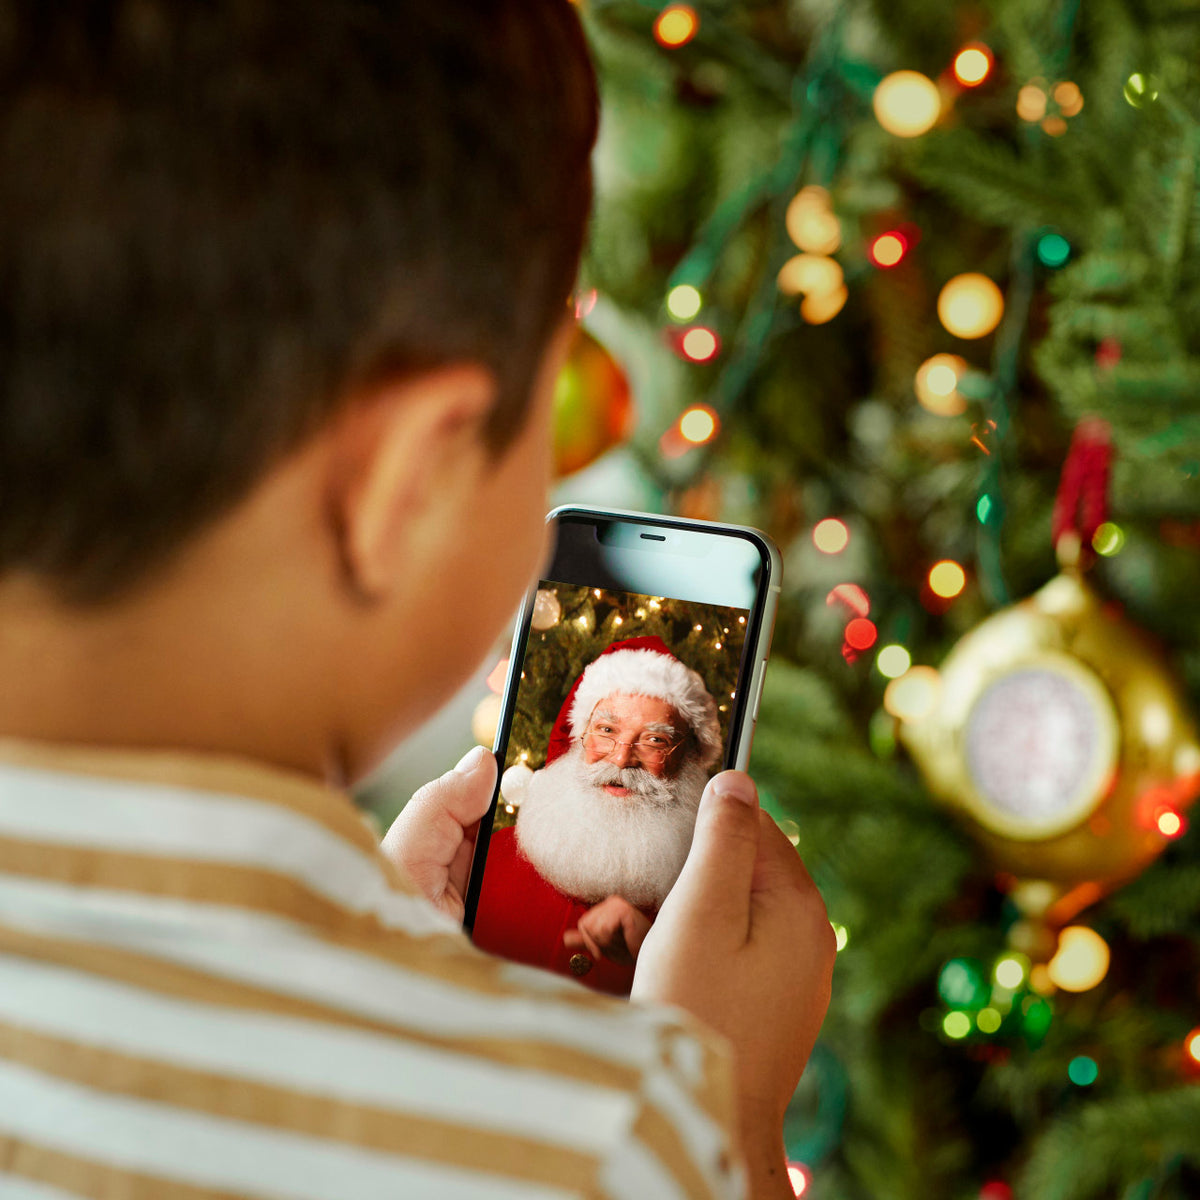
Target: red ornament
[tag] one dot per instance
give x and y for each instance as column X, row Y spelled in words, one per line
column 593, row 406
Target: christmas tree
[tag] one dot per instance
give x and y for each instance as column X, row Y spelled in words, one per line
column 869, row 265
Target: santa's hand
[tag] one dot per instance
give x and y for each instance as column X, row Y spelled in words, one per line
column 433, row 838
column 743, row 942
column 613, row 928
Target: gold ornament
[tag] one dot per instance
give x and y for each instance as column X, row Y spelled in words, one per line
column 1062, row 740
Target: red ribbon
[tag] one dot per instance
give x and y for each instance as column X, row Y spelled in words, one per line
column 1081, row 505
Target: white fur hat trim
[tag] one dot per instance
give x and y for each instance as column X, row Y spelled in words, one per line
column 651, row 673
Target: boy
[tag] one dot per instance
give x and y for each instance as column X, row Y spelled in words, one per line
column 282, row 289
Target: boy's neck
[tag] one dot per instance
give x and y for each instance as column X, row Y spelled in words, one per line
column 202, row 660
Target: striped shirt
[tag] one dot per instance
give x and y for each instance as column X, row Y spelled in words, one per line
column 213, row 985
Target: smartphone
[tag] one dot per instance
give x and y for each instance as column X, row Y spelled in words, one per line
column 636, row 671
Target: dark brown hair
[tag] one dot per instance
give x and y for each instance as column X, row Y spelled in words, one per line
column 220, row 220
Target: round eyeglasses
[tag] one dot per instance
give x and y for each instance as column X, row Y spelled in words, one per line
column 651, row 748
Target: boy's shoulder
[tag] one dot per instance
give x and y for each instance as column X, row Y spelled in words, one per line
column 214, row 972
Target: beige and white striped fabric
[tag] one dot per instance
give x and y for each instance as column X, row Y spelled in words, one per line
column 213, row 986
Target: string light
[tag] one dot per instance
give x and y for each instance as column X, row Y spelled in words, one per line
column 1053, row 250
column 892, row 661
column 861, row 633
column 888, row 249
column 1081, row 960
column 1171, row 823
column 1055, row 126
column 970, row 305
column 907, row 103
column 841, row 936
column 852, row 596
column 1009, row 972
column 684, row 302
column 805, row 274
column 831, row 536
column 699, row 424
column 1191, row 1045
column 1069, row 98
column 1083, row 1071
column 956, row 1025
column 1031, row 103
column 820, row 307
column 989, row 1020
column 810, row 221
column 799, row 1177
column 699, row 344
column 936, row 385
column 676, row 25
column 914, row 695
column 983, row 509
column 947, row 579
column 973, row 64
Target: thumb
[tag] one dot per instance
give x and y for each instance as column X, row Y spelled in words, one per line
column 463, row 793
column 715, row 884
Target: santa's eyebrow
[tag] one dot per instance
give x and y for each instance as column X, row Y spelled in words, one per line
column 603, row 716
column 660, row 727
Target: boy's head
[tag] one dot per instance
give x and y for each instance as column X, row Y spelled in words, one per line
column 242, row 235
column 220, row 222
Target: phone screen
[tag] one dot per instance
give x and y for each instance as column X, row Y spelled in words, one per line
column 628, row 691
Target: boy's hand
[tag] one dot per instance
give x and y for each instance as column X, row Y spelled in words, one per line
column 743, row 942
column 433, row 838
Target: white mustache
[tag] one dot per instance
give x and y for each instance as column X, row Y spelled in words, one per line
column 637, row 779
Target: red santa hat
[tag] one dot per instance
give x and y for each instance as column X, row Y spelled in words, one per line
column 640, row 666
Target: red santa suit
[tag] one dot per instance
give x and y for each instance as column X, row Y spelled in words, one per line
column 523, row 917
column 520, row 914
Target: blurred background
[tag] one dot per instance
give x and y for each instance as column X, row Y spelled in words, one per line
column 915, row 288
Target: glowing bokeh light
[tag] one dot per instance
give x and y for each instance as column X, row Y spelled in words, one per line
column 1139, row 90
column 852, row 596
column 799, row 1177
column 1031, row 103
column 677, row 24
column 983, row 509
column 970, row 305
column 972, row 64
column 1081, row 960
column 861, row 633
column 819, row 307
column 988, row 1020
column 699, row 424
column 1053, row 250
column 914, row 695
column 841, row 935
column 956, row 1025
column 947, row 579
column 936, row 385
column 1109, row 539
column 806, row 274
column 892, row 661
column 684, row 302
column 1191, row 1046
column 1171, row 823
column 888, row 249
column 907, row 103
column 831, row 536
column 699, row 344
column 1054, row 125
column 1068, row 97
column 1083, row 1071
column 1009, row 972
column 810, row 221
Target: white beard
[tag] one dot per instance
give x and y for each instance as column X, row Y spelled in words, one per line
column 591, row 844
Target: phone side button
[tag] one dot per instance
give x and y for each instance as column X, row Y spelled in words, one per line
column 758, row 689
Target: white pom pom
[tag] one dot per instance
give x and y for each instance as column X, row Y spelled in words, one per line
column 513, row 783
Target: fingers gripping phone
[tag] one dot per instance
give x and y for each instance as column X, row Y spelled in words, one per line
column 636, row 671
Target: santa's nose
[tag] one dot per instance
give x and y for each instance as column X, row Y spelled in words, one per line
column 622, row 754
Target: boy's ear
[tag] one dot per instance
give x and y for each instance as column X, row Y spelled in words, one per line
column 393, row 454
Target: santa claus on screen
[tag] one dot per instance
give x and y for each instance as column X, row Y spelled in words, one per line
column 604, row 827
